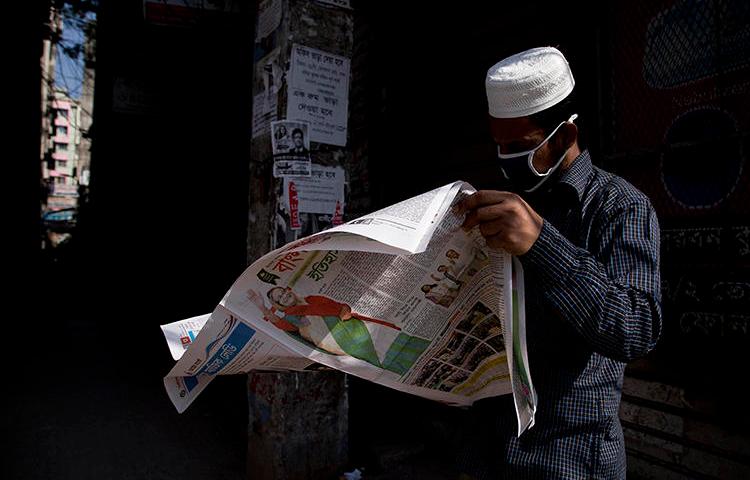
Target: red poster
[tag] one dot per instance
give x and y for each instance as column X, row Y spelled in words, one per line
column 337, row 216
column 294, row 206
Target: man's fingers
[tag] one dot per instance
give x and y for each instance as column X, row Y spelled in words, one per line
column 486, row 213
column 482, row 198
column 471, row 220
column 490, row 229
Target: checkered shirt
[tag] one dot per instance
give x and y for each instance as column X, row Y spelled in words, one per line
column 592, row 304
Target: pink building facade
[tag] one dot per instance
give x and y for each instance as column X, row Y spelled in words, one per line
column 60, row 161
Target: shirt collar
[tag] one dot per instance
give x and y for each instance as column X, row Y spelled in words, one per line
column 577, row 176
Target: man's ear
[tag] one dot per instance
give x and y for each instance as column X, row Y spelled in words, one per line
column 568, row 135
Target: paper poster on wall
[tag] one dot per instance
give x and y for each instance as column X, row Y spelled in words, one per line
column 269, row 71
column 264, row 112
column 309, row 205
column 265, row 103
column 319, row 93
column 269, row 18
column 290, row 145
column 321, row 192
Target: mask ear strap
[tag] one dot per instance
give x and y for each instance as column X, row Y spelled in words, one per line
column 569, row 120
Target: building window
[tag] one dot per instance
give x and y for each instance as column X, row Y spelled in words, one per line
column 62, row 164
column 61, row 147
column 62, row 113
column 60, row 180
column 62, row 131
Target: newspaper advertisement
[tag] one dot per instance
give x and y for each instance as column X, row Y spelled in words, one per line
column 402, row 297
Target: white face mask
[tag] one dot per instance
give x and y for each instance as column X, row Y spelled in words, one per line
column 519, row 168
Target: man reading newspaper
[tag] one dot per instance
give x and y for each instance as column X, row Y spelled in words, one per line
column 406, row 298
column 589, row 244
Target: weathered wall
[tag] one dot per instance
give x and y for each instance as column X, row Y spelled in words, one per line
column 677, row 126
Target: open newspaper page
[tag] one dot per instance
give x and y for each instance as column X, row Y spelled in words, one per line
column 408, row 225
column 415, row 303
column 220, row 344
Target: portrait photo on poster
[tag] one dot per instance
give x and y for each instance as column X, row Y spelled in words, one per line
column 290, row 145
column 290, row 137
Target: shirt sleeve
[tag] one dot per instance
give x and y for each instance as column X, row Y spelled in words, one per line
column 611, row 296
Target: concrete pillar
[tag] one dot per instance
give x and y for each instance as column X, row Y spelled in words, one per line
column 298, row 421
column 298, row 425
column 314, row 25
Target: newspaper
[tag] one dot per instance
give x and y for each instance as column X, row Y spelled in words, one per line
column 402, row 297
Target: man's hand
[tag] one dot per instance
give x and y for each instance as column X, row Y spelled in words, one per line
column 505, row 220
column 346, row 313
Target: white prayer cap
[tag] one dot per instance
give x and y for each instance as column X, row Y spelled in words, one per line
column 528, row 82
